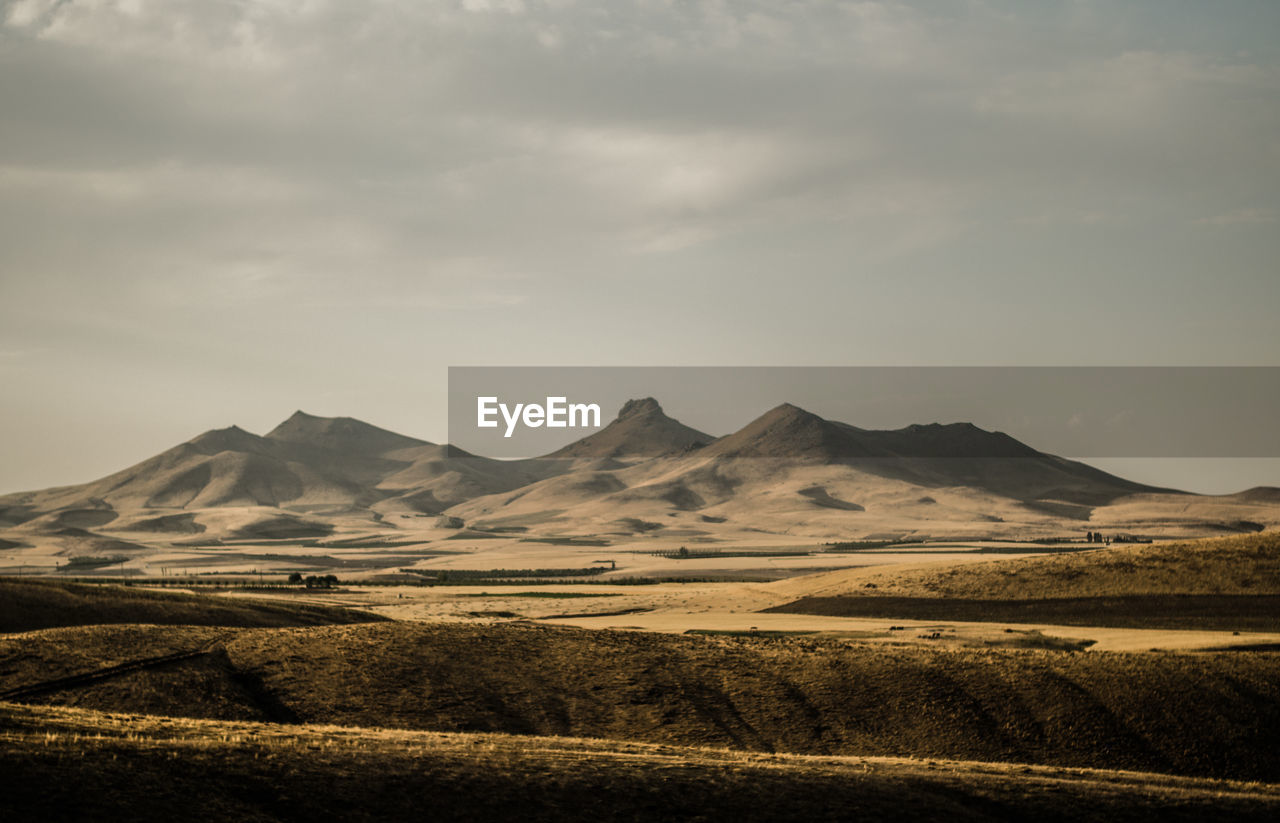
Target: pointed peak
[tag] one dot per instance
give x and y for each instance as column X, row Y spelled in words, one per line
column 230, row 438
column 785, row 430
column 301, row 421
column 788, row 412
column 641, row 429
column 641, row 407
column 232, row 430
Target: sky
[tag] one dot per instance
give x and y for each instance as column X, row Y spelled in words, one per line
column 220, row 212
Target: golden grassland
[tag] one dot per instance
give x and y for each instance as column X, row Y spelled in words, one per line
column 1248, row 565
column 1206, row 714
column 264, row 710
column 1218, row 584
column 72, row 764
column 40, row 604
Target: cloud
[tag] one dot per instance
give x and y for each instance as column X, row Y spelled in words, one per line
column 1241, row 217
column 1132, row 89
column 273, row 197
column 314, row 151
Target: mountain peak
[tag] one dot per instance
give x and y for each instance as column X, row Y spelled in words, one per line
column 789, row 412
column 342, row 434
column 641, row 429
column 231, row 438
column 789, row 431
column 641, row 407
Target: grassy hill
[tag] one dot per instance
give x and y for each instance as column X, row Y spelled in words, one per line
column 40, row 604
column 1186, row 612
column 1227, row 565
column 163, row 769
column 1222, row 583
column 1195, row 714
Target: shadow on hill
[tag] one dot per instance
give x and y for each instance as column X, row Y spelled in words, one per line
column 26, row 605
column 1221, row 612
column 1208, row 714
column 65, row 765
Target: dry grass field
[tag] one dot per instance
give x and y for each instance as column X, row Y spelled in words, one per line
column 73, row 764
column 1204, row 714
column 40, row 604
column 1221, row 566
column 288, row 706
column 1228, row 583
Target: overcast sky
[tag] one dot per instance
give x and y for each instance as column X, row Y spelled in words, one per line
column 216, row 212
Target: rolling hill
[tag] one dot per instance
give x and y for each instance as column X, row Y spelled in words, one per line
column 1230, row 583
column 26, row 605
column 1205, row 714
column 162, row 768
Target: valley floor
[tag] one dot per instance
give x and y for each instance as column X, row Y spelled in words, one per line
column 756, row 607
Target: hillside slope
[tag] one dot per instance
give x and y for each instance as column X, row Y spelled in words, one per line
column 161, row 769
column 26, row 605
column 1229, row 565
column 1229, row 584
column 1206, row 714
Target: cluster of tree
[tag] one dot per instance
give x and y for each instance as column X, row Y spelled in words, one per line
column 314, row 581
column 1096, row 537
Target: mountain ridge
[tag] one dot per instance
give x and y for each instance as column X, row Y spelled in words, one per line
column 788, row 467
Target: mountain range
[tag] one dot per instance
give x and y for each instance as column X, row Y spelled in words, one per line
column 788, row 473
